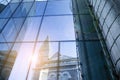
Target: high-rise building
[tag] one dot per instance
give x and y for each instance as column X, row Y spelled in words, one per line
column 82, row 31
column 107, row 14
column 91, row 55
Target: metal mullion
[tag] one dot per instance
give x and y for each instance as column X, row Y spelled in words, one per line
column 12, row 45
column 103, row 8
column 117, row 61
column 117, row 47
column 114, row 42
column 106, row 16
column 10, row 17
column 58, row 61
column 96, row 5
column 7, row 4
column 7, row 56
column 49, row 15
column 29, row 66
column 26, row 13
column 53, row 41
column 111, row 26
column 99, row 6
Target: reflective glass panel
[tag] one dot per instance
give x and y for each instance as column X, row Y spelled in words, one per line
column 9, row 31
column 24, row 56
column 30, row 29
column 58, row 8
column 7, row 12
column 57, row 28
column 22, row 10
column 2, row 23
column 37, row 9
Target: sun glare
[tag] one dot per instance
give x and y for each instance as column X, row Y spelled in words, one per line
column 34, row 59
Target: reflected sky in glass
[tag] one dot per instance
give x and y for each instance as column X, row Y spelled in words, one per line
column 57, row 28
column 37, row 9
column 58, row 7
column 22, row 61
column 30, row 29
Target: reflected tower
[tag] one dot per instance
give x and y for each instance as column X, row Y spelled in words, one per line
column 41, row 59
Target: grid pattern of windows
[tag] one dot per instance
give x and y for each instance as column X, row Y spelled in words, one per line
column 108, row 14
column 50, row 40
column 35, row 33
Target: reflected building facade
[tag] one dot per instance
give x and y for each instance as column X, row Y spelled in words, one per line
column 97, row 27
column 107, row 13
column 8, row 64
column 58, row 64
column 9, row 30
column 92, row 60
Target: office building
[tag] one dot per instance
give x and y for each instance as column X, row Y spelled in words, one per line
column 85, row 31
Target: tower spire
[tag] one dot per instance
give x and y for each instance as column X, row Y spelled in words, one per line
column 44, row 51
column 42, row 57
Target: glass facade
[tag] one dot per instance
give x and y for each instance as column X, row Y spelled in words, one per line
column 55, row 40
column 91, row 55
column 37, row 41
column 107, row 12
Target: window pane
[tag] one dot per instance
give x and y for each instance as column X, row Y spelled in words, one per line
column 30, row 29
column 18, row 22
column 67, row 50
column 7, row 59
column 9, row 31
column 24, row 52
column 22, row 10
column 2, row 23
column 102, row 3
column 8, row 10
column 58, row 8
column 97, row 5
column 109, row 40
column 106, row 10
column 105, row 28
column 115, row 53
column 57, row 28
column 44, row 60
column 115, row 29
column 37, row 9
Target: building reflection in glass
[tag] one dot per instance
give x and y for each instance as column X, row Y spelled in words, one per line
column 55, row 66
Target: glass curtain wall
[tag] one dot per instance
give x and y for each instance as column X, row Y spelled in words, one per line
column 108, row 14
column 37, row 41
column 92, row 59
